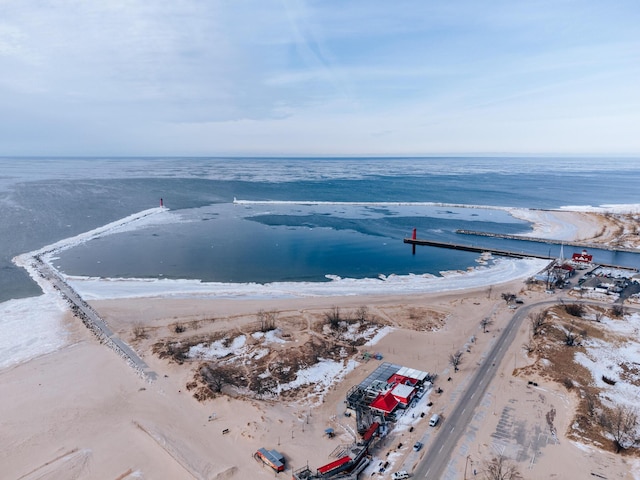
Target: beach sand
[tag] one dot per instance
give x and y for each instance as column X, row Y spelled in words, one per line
column 82, row 412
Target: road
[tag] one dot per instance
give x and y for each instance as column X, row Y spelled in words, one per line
column 454, row 425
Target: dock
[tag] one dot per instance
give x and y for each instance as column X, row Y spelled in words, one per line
column 586, row 245
column 495, row 251
column 470, row 248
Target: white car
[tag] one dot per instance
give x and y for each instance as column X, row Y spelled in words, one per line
column 435, row 418
column 401, row 475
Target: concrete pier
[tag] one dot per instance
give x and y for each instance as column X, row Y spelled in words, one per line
column 585, row 245
column 494, row 251
column 469, row 248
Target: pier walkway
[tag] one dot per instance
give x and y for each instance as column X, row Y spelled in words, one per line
column 495, row 251
column 469, row 248
column 585, row 245
column 92, row 320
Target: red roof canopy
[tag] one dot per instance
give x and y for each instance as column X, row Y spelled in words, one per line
column 370, row 431
column 386, row 403
column 395, row 378
column 333, row 465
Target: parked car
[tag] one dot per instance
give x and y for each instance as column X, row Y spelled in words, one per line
column 417, row 446
column 401, row 475
column 435, row 418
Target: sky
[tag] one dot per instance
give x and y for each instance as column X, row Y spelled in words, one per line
column 326, row 77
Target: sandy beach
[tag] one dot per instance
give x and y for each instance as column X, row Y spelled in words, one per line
column 82, row 412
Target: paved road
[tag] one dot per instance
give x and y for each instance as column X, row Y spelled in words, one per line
column 93, row 321
column 441, row 449
column 454, row 425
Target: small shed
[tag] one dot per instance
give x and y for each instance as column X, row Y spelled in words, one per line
column 272, row 458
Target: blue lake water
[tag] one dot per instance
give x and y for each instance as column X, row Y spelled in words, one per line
column 45, row 200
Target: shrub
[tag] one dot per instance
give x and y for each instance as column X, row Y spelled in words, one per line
column 574, row 309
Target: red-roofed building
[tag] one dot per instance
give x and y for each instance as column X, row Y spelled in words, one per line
column 385, row 403
column 401, row 379
column 582, row 257
column 403, row 393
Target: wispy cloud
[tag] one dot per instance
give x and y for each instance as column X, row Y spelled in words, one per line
column 196, row 77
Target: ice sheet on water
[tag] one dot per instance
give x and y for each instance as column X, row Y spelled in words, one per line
column 503, row 270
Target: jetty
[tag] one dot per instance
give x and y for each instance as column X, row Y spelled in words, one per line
column 495, row 251
column 42, row 270
column 92, row 319
column 586, row 245
column 470, row 248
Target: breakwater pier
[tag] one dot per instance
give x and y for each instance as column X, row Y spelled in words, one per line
column 92, row 319
column 548, row 241
column 470, row 248
column 497, row 251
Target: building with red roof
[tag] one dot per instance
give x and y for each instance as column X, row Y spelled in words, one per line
column 385, row 403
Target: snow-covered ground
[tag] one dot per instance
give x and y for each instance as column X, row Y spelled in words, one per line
column 606, row 358
column 44, row 315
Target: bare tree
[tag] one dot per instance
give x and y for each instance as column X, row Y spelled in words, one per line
column 267, row 319
column 501, row 468
column 455, row 359
column 617, row 310
column 621, row 423
column 572, row 336
column 139, row 332
column 574, row 309
column 538, row 322
column 333, row 317
column 216, row 376
column 263, row 385
column 508, row 297
column 530, row 346
column 484, row 323
column 362, row 313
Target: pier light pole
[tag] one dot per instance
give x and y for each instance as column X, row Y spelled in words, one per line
column 465, row 467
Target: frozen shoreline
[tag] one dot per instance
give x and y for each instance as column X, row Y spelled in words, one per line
column 45, row 313
column 87, row 396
